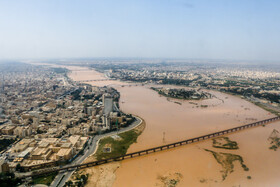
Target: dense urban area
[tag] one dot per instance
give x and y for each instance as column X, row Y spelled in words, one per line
column 47, row 120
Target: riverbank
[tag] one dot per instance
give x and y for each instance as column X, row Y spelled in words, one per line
column 264, row 106
column 103, row 176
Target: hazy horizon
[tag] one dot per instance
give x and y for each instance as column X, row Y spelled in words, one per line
column 160, row 29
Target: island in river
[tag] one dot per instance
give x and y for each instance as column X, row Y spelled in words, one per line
column 189, row 165
column 182, row 93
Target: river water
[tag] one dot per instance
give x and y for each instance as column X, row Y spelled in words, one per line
column 191, row 165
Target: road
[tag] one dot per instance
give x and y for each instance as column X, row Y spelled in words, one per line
column 63, row 177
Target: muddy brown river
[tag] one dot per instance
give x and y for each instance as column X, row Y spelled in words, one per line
column 191, row 165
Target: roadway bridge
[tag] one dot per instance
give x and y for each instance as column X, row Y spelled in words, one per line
column 159, row 148
column 93, row 80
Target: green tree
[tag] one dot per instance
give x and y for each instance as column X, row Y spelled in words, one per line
column 19, row 168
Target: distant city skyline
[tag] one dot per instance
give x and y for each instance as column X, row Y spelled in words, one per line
column 183, row 29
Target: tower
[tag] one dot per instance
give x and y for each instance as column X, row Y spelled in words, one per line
column 2, row 84
column 107, row 103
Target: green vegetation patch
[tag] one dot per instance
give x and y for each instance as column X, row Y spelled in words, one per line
column 271, row 110
column 9, row 180
column 46, row 179
column 178, row 103
column 224, row 143
column 76, row 94
column 80, row 181
column 204, row 180
column 171, row 180
column 274, row 139
column 118, row 146
column 60, row 70
column 182, row 93
column 226, row 161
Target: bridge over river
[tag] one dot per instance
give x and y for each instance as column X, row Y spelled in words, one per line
column 94, row 80
column 157, row 149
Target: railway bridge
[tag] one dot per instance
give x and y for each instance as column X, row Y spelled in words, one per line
column 159, row 148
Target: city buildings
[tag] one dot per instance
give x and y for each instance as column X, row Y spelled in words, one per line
column 51, row 117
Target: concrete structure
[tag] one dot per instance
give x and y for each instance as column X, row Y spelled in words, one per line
column 64, row 154
column 4, row 166
column 22, row 131
column 108, row 104
column 26, row 152
column 8, row 130
column 41, row 154
column 22, row 145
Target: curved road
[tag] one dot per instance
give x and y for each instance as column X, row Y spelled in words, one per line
column 62, row 177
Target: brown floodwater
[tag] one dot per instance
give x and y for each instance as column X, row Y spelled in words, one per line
column 167, row 121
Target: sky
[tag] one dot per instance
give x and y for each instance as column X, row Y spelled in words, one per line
column 203, row 29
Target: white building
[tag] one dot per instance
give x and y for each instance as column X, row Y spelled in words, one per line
column 108, row 104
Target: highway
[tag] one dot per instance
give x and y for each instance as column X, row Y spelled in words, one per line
column 91, row 148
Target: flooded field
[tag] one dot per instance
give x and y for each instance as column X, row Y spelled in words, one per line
column 192, row 165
